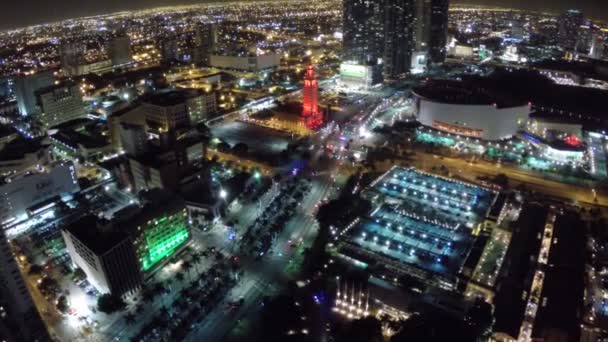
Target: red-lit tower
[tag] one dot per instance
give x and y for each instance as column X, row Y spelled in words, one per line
column 310, row 100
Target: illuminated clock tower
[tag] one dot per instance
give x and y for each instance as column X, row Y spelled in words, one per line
column 310, row 100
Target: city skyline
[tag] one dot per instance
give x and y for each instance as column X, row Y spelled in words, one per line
column 34, row 12
column 282, row 171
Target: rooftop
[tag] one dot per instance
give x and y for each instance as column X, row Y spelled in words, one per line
column 100, row 241
column 172, row 97
column 19, row 147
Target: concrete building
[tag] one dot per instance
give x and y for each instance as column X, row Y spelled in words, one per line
column 26, row 86
column 119, row 50
column 134, row 115
column 134, row 139
column 167, row 111
column 201, row 107
column 60, row 103
column 71, row 56
column 247, row 63
column 106, row 255
column 158, row 171
column 174, row 110
column 19, row 317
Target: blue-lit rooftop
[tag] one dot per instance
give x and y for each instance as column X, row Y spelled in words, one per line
column 421, row 220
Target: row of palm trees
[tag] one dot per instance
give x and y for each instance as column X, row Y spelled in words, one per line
column 186, row 270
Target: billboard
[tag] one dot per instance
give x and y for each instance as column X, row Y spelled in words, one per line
column 354, row 70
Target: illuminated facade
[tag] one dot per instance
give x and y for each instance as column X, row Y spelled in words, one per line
column 160, row 238
column 310, row 100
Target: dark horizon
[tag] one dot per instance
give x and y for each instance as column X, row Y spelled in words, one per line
column 34, row 12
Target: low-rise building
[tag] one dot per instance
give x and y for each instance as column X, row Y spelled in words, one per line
column 248, row 63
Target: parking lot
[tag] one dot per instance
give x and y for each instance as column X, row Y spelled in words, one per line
column 421, row 220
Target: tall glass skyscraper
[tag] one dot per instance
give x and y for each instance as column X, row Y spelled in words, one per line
column 569, row 26
column 400, row 37
column 363, row 29
column 387, row 34
column 438, row 30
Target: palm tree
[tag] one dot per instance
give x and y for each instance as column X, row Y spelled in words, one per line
column 187, row 267
column 129, row 318
column 164, row 311
column 196, row 260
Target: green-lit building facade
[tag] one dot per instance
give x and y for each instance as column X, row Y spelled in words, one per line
column 159, row 238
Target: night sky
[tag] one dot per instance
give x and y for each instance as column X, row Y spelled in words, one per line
column 18, row 13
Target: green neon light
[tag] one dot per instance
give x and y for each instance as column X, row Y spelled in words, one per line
column 162, row 240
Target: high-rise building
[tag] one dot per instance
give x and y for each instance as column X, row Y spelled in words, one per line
column 200, row 107
column 169, row 49
column 7, row 87
column 438, row 30
column 134, row 139
column 363, row 33
column 205, row 40
column 396, row 36
column 119, row 50
column 310, row 100
column 400, row 30
column 106, row 255
column 26, row 86
column 174, row 110
column 569, row 26
column 19, row 318
column 597, row 47
column 71, row 56
column 167, row 112
column 60, row 103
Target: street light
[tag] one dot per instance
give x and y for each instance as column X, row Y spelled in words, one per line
column 223, row 194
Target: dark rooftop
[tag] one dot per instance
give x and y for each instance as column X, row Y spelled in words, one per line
column 456, row 92
column 19, row 147
column 6, row 130
column 100, row 241
column 172, row 97
column 74, row 138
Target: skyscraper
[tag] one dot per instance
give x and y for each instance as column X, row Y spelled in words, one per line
column 119, row 49
column 26, row 86
column 363, row 33
column 71, row 56
column 205, row 39
column 438, row 30
column 399, row 42
column 569, row 25
column 396, row 36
